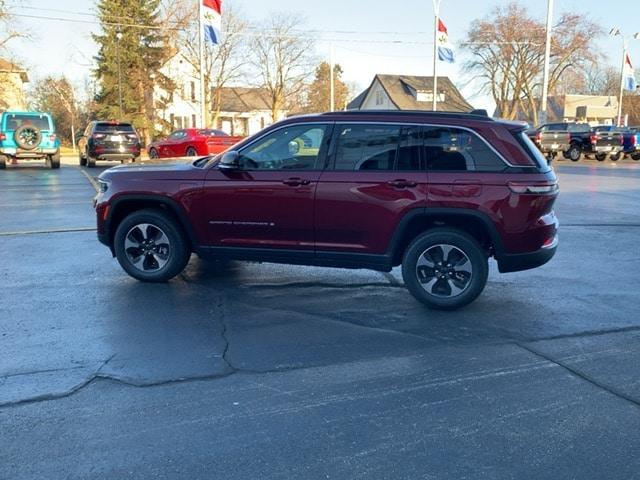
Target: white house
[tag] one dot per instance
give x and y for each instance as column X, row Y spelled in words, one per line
column 244, row 110
column 12, row 81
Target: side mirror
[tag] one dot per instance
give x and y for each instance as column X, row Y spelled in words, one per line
column 230, row 161
column 294, row 148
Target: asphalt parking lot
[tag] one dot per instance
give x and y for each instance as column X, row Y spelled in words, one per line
column 239, row 371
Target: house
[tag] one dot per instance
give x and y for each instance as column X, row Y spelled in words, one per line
column 404, row 92
column 243, row 110
column 12, row 80
column 593, row 109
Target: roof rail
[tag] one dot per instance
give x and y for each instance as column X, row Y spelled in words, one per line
column 480, row 115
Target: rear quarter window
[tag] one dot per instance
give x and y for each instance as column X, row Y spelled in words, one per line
column 532, row 151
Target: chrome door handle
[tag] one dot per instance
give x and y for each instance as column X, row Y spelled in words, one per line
column 402, row 183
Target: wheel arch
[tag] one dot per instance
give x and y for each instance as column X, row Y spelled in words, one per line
column 476, row 224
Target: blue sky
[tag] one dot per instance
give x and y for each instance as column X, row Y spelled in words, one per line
column 57, row 47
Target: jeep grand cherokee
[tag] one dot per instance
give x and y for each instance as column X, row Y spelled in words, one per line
column 438, row 193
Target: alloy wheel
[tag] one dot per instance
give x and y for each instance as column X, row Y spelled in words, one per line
column 444, row 271
column 147, row 247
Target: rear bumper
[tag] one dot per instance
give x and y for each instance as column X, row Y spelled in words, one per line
column 525, row 261
column 28, row 154
column 560, row 147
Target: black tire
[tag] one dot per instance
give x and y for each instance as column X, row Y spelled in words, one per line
column 27, row 137
column 635, row 157
column 614, row 157
column 465, row 250
column 3, row 162
column 153, row 153
column 192, row 152
column 174, row 251
column 601, row 157
column 91, row 162
column 82, row 159
column 573, row 153
column 53, row 161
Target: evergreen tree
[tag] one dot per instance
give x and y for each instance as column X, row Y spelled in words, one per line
column 132, row 51
column 318, row 97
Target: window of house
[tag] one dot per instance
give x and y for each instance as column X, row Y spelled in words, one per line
column 367, row 147
column 193, row 91
column 379, row 97
column 454, row 149
column 296, row 147
column 193, row 121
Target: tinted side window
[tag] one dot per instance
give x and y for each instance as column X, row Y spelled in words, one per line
column 453, row 149
column 367, row 147
column 296, row 147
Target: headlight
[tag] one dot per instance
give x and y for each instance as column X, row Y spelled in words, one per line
column 104, row 186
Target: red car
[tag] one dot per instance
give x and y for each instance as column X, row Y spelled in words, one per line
column 438, row 193
column 192, row 142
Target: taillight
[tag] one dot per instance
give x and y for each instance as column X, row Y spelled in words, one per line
column 539, row 137
column 52, row 137
column 98, row 136
column 634, row 140
column 3, row 137
column 532, row 189
column 593, row 139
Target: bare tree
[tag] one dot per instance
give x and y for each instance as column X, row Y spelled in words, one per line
column 508, row 55
column 223, row 63
column 283, row 59
column 8, row 30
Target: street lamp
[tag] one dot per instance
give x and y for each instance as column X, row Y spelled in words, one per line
column 616, row 32
column 118, row 38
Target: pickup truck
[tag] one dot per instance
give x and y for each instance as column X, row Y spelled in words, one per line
column 579, row 139
column 606, row 140
column 631, row 143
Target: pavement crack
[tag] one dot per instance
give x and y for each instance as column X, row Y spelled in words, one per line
column 583, row 376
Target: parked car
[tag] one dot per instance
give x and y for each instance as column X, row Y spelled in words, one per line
column 579, row 138
column 606, row 141
column 28, row 136
column 438, row 193
column 109, row 140
column 631, row 143
column 192, row 142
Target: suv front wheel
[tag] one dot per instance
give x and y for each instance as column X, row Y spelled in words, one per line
column 445, row 269
column 151, row 247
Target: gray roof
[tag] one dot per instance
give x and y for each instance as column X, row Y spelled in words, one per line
column 242, row 99
column 400, row 90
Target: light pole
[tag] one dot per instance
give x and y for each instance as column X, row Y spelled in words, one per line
column 436, row 11
column 616, row 32
column 547, row 60
column 118, row 38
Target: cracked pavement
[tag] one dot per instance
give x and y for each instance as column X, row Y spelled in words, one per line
column 242, row 371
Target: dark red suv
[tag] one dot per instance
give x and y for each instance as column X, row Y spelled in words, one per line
column 438, row 193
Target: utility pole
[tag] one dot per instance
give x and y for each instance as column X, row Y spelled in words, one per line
column 436, row 11
column 118, row 38
column 332, row 85
column 547, row 61
column 203, row 101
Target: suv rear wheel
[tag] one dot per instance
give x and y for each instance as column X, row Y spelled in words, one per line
column 445, row 269
column 53, row 161
column 151, row 247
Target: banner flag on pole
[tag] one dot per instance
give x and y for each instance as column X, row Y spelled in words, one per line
column 445, row 52
column 629, row 75
column 212, row 21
